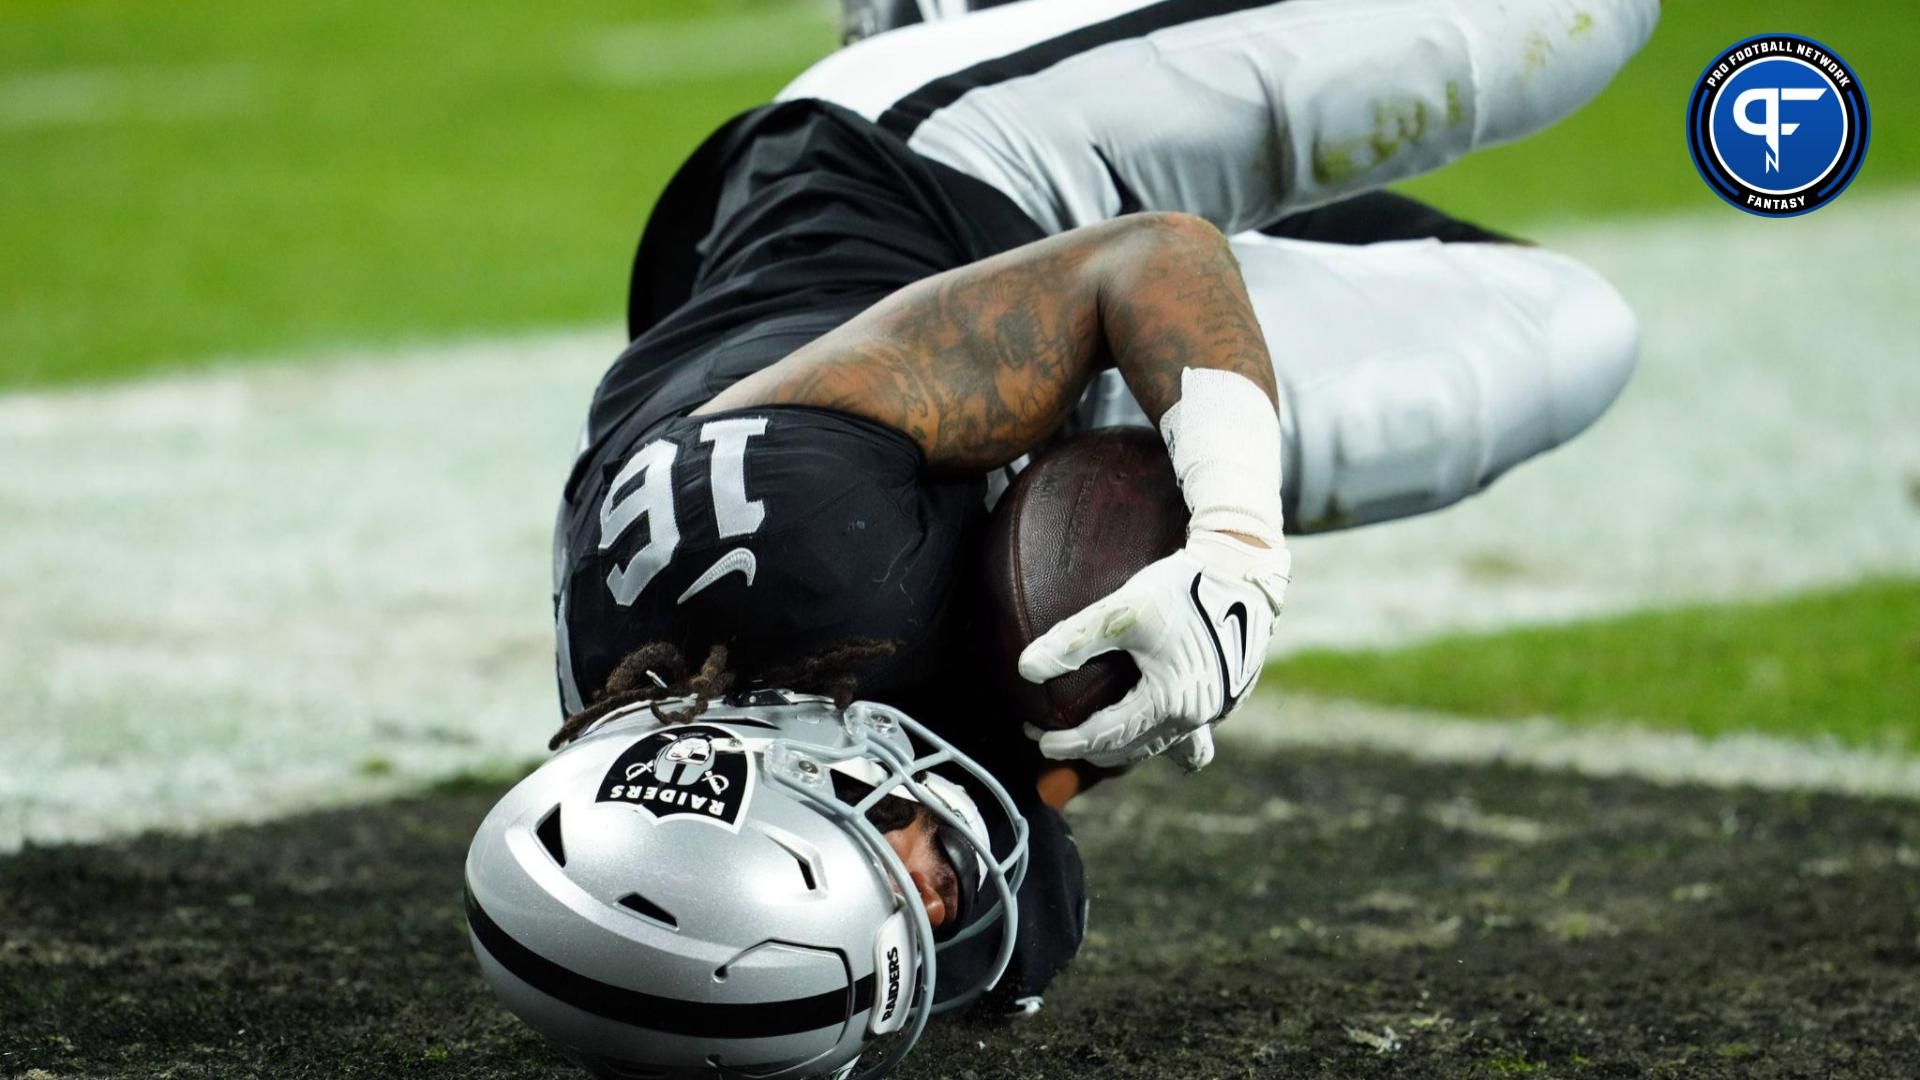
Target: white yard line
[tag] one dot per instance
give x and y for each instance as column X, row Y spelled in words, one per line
column 645, row 54
column 1661, row 757
column 232, row 595
column 78, row 97
column 237, row 594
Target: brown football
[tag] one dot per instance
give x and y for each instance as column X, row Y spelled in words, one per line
column 1086, row 515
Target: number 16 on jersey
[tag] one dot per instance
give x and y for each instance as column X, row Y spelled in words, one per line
column 652, row 500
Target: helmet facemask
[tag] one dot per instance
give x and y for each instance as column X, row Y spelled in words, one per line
column 571, row 914
column 881, row 736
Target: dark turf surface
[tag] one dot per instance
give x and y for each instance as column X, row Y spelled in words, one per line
column 1318, row 915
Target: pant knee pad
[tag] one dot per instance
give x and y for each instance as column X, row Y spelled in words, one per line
column 1390, row 436
column 1593, row 347
column 1402, row 433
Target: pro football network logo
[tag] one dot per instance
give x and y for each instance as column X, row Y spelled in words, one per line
column 696, row 770
column 1778, row 125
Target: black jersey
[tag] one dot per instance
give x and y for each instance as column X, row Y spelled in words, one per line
column 776, row 532
column 782, row 531
column 788, row 221
column 773, row 531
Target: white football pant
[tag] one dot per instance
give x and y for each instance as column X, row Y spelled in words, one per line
column 1414, row 372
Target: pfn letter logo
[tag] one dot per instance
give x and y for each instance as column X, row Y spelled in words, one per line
column 1778, row 125
column 1771, row 128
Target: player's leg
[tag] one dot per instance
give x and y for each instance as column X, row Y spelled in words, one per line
column 1237, row 110
column 1417, row 372
column 1414, row 371
column 1375, row 218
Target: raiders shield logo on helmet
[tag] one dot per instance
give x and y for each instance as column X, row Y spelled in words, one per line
column 695, row 770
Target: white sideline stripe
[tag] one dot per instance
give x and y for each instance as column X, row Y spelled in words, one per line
column 102, row 95
column 232, row 595
column 645, row 54
column 1744, row 760
column 239, row 594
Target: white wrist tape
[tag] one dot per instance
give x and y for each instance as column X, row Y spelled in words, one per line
column 1224, row 437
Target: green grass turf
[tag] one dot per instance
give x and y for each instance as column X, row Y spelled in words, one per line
column 258, row 178
column 1627, row 153
column 1844, row 663
column 365, row 171
column 1285, row 915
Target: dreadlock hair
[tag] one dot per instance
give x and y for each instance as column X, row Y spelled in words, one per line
column 658, row 671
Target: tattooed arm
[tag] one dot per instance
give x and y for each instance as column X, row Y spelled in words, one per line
column 978, row 365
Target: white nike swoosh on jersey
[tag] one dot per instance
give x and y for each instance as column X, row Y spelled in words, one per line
column 739, row 560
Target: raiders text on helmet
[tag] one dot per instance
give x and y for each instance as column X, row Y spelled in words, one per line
column 690, row 900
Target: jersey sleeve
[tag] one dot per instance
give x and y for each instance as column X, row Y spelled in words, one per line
column 777, row 532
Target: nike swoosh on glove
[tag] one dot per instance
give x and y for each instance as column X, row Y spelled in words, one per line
column 1196, row 623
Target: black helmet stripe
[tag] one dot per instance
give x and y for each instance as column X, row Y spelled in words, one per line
column 671, row 1015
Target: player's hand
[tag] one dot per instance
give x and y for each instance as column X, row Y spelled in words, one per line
column 1196, row 624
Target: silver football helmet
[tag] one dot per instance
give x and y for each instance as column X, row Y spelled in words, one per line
column 693, row 899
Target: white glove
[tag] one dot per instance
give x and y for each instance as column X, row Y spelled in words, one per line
column 1197, row 623
column 1195, row 752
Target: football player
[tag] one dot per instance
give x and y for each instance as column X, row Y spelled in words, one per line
column 854, row 309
